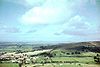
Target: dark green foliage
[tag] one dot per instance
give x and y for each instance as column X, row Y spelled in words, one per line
column 97, row 58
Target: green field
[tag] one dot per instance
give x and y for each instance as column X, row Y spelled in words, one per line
column 9, row 65
column 62, row 65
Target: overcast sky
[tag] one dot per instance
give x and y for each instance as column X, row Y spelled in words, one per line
column 49, row 20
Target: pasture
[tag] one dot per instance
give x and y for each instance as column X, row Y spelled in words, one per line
column 9, row 65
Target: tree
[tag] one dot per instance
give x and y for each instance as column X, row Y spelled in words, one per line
column 97, row 58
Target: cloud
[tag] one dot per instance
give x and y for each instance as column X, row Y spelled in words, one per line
column 35, row 2
column 12, row 30
column 7, row 29
column 79, row 22
column 50, row 12
column 31, row 31
column 57, row 34
column 79, row 26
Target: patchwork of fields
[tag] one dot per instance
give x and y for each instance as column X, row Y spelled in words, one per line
column 28, row 56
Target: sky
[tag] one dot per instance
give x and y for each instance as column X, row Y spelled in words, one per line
column 49, row 21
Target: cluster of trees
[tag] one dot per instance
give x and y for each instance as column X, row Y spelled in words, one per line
column 90, row 48
column 97, row 58
column 76, row 52
column 59, row 62
column 64, row 53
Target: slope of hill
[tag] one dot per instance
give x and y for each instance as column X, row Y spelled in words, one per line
column 93, row 46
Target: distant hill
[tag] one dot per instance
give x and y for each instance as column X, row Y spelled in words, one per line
column 70, row 45
column 93, row 46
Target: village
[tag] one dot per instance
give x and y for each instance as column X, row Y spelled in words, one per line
column 22, row 57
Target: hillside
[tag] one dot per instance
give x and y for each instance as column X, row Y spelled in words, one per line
column 93, row 46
